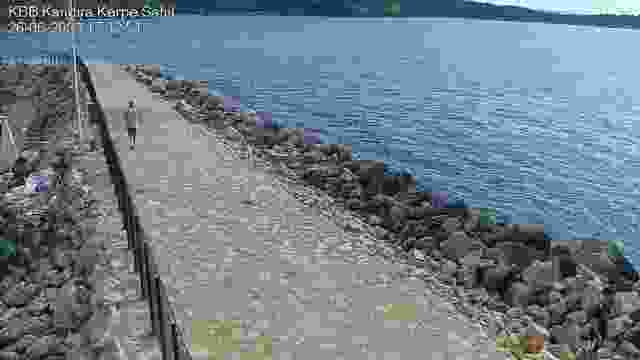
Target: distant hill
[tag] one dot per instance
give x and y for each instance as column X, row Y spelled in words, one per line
column 403, row 8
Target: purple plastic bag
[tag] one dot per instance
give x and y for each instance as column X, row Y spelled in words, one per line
column 40, row 183
column 439, row 200
column 311, row 136
column 231, row 104
column 264, row 120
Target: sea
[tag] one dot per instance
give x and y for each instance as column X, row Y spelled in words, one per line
column 540, row 122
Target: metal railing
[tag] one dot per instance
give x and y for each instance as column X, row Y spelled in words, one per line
column 163, row 320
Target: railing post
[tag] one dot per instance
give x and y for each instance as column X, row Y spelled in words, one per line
column 167, row 337
column 144, row 274
column 154, row 307
column 160, row 334
column 177, row 343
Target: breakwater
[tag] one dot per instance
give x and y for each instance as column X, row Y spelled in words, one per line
column 514, row 268
column 51, row 303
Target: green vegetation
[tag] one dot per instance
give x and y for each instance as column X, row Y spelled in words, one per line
column 517, row 347
column 400, row 312
column 487, row 216
column 7, row 248
column 392, row 8
column 218, row 338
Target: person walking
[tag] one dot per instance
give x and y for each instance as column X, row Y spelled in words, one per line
column 132, row 120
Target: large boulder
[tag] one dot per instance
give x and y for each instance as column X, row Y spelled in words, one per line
column 568, row 334
column 370, row 173
column 498, row 278
column 394, row 184
column 626, row 302
column 459, row 245
column 539, row 275
column 519, row 294
column 158, row 86
column 519, row 254
column 216, row 120
column 174, row 84
column 618, row 325
column 530, row 234
column 152, row 70
column 557, row 311
column 591, row 296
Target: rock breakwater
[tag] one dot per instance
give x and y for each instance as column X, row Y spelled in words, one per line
column 51, row 287
column 573, row 289
column 52, row 268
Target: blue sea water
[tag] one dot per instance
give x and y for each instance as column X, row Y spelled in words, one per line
column 538, row 121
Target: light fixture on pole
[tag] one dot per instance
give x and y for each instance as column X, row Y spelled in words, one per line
column 79, row 122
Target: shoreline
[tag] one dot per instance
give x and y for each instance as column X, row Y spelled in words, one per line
column 507, row 262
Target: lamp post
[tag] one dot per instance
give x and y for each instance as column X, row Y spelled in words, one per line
column 75, row 72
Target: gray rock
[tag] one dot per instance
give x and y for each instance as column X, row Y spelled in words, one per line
column 22, row 345
column 626, row 302
column 495, row 254
column 579, row 317
column 591, row 296
column 539, row 315
column 21, row 294
column 557, row 311
column 173, row 84
column 567, row 334
column 449, row 268
column 158, row 86
column 494, row 278
column 381, row 233
column 398, row 214
column 539, row 275
column 9, row 355
column 354, row 204
column 459, row 245
column 629, row 349
column 48, row 345
column 519, row 295
column 451, row 225
column 61, row 258
column 18, row 327
column 216, row 120
column 232, row 134
column 425, row 243
column 618, row 325
column 374, row 220
column 370, row 173
column 518, row 254
column 152, row 70
column 537, row 330
column 533, row 235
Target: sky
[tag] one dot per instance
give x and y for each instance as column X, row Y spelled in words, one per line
column 628, row 7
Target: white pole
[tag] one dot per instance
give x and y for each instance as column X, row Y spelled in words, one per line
column 75, row 73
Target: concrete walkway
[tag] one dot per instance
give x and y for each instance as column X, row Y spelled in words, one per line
column 278, row 268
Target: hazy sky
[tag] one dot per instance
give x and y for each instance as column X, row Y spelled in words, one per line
column 631, row 7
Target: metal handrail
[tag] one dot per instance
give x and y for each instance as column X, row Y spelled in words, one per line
column 153, row 288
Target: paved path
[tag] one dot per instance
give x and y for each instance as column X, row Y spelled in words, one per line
column 280, row 268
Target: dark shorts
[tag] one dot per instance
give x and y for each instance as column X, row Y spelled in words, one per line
column 131, row 131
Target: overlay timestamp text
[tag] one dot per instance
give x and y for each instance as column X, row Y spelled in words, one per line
column 63, row 26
